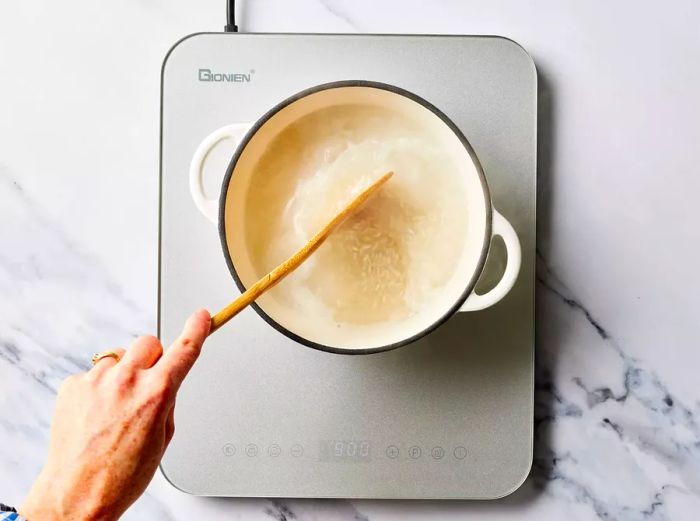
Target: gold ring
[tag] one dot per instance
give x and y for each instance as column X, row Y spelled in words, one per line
column 105, row 354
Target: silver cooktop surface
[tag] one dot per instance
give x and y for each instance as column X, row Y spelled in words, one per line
column 450, row 416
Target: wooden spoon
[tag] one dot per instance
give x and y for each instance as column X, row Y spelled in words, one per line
column 295, row 260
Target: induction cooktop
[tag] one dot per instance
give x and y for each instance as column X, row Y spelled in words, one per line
column 449, row 416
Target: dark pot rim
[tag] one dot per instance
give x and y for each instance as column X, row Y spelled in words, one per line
column 396, row 90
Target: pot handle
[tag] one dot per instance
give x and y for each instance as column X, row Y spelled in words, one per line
column 500, row 226
column 210, row 206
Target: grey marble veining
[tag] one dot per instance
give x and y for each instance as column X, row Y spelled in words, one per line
column 618, row 399
column 634, row 419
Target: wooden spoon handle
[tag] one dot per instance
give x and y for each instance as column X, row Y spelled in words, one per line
column 293, row 262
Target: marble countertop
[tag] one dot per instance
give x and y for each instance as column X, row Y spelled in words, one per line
column 617, row 392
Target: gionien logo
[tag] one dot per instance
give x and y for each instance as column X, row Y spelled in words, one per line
column 225, row 77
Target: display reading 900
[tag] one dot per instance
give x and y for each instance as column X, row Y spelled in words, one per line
column 345, row 450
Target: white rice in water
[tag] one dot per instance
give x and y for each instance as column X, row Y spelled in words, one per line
column 393, row 256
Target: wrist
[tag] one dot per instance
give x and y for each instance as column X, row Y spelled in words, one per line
column 41, row 505
column 47, row 502
column 45, row 510
column 37, row 513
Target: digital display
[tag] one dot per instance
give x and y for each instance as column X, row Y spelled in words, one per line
column 345, row 450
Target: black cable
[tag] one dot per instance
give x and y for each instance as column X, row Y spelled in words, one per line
column 231, row 26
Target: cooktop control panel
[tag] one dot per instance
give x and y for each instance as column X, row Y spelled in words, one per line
column 346, row 451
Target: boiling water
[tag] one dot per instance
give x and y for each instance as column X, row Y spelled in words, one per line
column 389, row 259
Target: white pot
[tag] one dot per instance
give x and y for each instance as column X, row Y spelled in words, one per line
column 483, row 221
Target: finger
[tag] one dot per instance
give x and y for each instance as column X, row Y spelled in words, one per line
column 181, row 356
column 169, row 426
column 143, row 353
column 103, row 364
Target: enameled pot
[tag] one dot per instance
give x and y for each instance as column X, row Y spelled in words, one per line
column 483, row 221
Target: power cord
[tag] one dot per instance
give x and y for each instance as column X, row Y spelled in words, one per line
column 231, row 26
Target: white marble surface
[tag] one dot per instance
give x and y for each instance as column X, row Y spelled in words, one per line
column 618, row 398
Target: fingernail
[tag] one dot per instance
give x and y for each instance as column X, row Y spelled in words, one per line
column 202, row 314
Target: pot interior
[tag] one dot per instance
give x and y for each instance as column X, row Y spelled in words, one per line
column 319, row 329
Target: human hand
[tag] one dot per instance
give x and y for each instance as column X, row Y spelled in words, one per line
column 111, row 427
